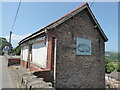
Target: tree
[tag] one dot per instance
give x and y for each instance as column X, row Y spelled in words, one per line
column 106, row 61
column 113, row 56
column 16, row 50
column 109, row 67
column 3, row 43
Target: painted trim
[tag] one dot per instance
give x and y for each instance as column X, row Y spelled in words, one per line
column 49, row 53
column 32, row 36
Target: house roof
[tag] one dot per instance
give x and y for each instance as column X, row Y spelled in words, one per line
column 64, row 18
column 115, row 75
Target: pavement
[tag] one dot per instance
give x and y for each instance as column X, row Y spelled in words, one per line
column 0, row 73
column 7, row 80
column 16, row 77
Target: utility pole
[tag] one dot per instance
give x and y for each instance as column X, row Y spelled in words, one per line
column 10, row 42
column 13, row 25
column 10, row 37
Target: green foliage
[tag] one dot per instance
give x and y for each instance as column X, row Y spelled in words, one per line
column 118, row 68
column 115, row 65
column 112, row 60
column 106, row 61
column 16, row 50
column 113, row 56
column 3, row 43
column 109, row 67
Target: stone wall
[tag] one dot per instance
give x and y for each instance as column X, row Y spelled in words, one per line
column 13, row 61
column 74, row 71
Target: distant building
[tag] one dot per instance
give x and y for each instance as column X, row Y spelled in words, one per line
column 107, row 54
column 71, row 50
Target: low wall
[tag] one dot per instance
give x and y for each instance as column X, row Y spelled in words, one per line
column 13, row 60
column 47, row 74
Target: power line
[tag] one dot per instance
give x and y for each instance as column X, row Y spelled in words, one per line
column 16, row 15
column 14, row 21
column 92, row 3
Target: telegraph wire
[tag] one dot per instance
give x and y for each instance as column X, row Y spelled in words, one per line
column 16, row 15
column 92, row 3
column 14, row 20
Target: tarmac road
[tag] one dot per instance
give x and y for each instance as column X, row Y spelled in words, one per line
column 7, row 81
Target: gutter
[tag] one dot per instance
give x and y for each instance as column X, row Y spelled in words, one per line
column 32, row 36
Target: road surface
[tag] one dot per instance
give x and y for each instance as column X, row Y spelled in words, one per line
column 7, row 80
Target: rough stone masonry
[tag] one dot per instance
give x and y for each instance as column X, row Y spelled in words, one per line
column 67, row 68
column 79, row 71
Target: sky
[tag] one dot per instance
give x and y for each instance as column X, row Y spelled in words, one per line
column 33, row 16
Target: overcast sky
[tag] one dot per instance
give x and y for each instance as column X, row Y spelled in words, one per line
column 33, row 16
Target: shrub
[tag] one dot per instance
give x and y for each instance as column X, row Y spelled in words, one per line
column 109, row 68
column 16, row 50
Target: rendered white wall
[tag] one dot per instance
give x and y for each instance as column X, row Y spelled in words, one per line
column 25, row 53
column 21, row 53
column 39, row 54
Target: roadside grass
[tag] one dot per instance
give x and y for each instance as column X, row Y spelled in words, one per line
column 115, row 65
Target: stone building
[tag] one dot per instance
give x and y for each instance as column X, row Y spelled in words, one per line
column 69, row 52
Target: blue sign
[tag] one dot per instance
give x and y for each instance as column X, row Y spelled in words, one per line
column 83, row 46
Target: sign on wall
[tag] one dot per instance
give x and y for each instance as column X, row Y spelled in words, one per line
column 83, row 46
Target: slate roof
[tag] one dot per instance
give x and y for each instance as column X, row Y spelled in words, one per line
column 64, row 18
column 115, row 75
